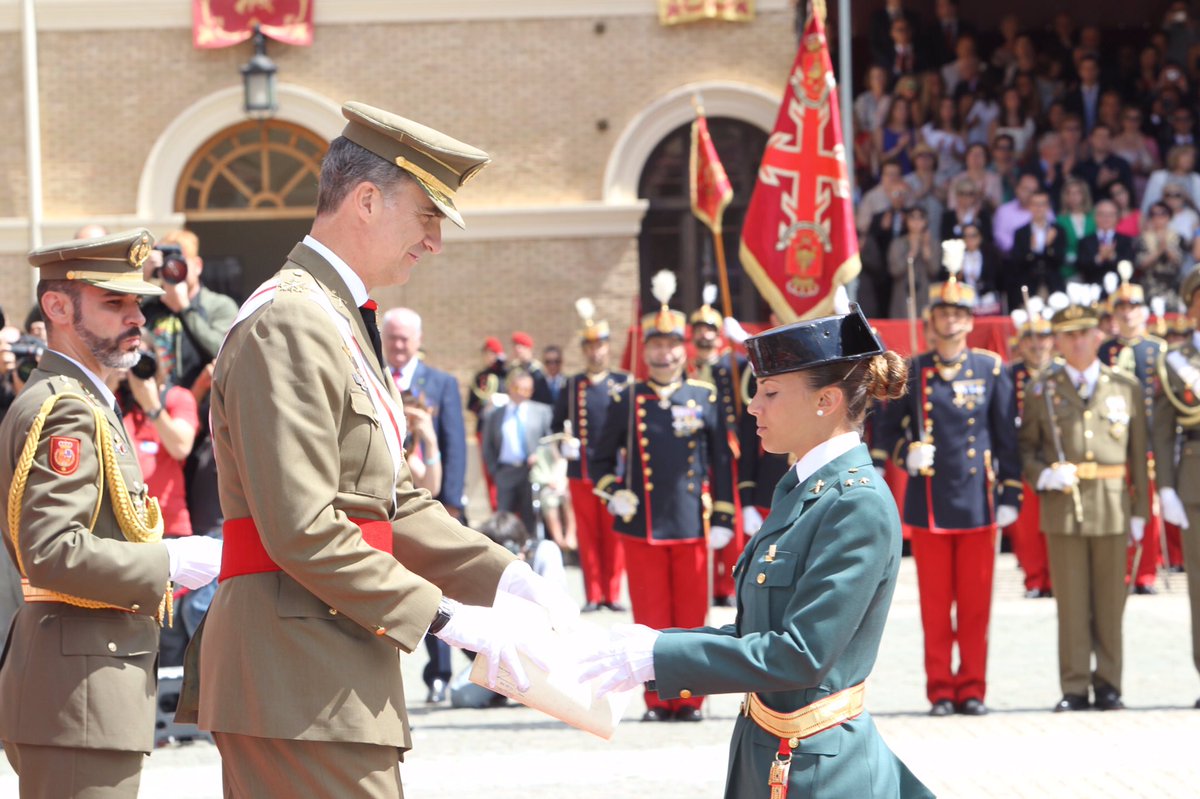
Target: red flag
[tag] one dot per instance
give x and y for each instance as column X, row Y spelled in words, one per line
column 798, row 240
column 710, row 186
column 222, row 23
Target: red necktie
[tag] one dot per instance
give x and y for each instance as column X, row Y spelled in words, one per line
column 368, row 311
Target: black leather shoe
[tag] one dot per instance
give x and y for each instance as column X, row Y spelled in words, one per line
column 1176, row 568
column 1071, row 702
column 616, row 607
column 1107, row 698
column 1198, row 704
column 590, row 607
column 1033, row 593
column 942, row 707
column 1145, row 589
column 437, row 692
column 972, row 707
column 725, row 602
column 689, row 714
column 656, row 714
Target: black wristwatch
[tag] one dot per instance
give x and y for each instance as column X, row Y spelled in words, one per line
column 445, row 610
column 154, row 414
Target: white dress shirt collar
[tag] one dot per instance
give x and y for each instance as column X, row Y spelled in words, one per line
column 101, row 389
column 405, row 374
column 824, row 453
column 1089, row 375
column 358, row 289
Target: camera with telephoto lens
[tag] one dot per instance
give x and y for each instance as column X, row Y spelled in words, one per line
column 174, row 267
column 146, row 367
column 28, row 347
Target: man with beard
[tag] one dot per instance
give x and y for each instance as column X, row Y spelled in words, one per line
column 77, row 685
column 674, row 435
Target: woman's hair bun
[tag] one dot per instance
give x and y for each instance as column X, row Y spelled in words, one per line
column 887, row 376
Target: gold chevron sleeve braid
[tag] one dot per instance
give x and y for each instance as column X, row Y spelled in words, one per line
column 136, row 527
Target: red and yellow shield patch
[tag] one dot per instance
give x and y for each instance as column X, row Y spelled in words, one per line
column 64, row 454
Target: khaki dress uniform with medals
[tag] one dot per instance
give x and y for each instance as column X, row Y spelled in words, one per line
column 334, row 562
column 78, row 682
column 1102, row 434
column 1176, row 438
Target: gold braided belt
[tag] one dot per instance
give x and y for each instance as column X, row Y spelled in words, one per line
column 1090, row 470
column 809, row 720
column 138, row 527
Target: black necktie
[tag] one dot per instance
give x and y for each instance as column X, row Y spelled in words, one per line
column 368, row 310
column 117, row 411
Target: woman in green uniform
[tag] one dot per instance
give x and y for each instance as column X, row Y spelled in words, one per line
column 813, row 585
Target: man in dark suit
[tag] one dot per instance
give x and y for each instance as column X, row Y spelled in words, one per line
column 1100, row 252
column 902, row 56
column 1048, row 165
column 549, row 383
column 438, row 390
column 1038, row 252
column 942, row 35
column 1084, row 99
column 1102, row 168
column 510, row 438
column 882, row 44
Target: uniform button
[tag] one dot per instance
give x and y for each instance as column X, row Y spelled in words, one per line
column 380, row 631
column 761, row 578
column 971, row 421
column 685, row 694
column 970, row 439
column 691, row 473
column 971, row 452
column 641, row 413
column 647, row 472
column 928, row 390
column 973, row 470
column 691, row 486
column 793, row 742
column 649, row 486
column 333, row 611
column 929, row 406
column 641, row 427
column 691, row 445
column 691, row 403
column 645, row 442
column 112, row 646
column 1088, row 434
column 135, row 607
column 1087, row 414
column 1090, row 456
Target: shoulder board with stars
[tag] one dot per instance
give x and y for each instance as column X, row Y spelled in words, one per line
column 855, row 477
column 704, row 384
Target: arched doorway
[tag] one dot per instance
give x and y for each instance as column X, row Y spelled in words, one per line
column 250, row 193
column 673, row 238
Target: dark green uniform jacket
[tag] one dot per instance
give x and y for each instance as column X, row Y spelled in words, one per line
column 807, row 628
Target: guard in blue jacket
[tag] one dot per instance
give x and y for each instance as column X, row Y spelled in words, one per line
column 956, row 435
column 813, row 586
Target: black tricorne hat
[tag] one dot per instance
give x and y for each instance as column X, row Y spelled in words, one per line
column 803, row 345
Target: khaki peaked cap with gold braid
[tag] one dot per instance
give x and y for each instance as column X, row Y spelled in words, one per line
column 113, row 263
column 441, row 164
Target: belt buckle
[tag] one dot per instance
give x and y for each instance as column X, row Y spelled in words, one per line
column 1086, row 470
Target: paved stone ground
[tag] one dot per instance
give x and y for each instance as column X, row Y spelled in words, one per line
column 1020, row 750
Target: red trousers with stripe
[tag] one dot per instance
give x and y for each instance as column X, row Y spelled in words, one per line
column 954, row 577
column 601, row 558
column 1147, row 573
column 1029, row 543
column 668, row 588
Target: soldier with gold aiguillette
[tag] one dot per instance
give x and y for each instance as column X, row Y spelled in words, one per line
column 956, row 436
column 1176, row 435
column 334, row 562
column 1083, row 447
column 78, row 687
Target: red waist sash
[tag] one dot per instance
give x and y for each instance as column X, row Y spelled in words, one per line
column 243, row 551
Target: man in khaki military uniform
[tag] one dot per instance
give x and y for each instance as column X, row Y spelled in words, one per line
column 1083, row 443
column 1176, row 438
column 77, row 682
column 333, row 561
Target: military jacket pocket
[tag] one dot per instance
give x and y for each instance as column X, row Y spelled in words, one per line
column 773, row 570
column 768, row 583
column 294, row 601
column 109, row 637
column 366, row 463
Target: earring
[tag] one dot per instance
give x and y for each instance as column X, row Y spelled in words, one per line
column 820, row 412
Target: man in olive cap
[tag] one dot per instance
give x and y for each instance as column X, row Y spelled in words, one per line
column 77, row 686
column 333, row 561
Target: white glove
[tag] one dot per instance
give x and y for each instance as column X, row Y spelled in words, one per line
column 719, row 537
column 734, row 331
column 494, row 637
column 520, row 580
column 1059, row 477
column 1006, row 515
column 569, row 447
column 623, row 503
column 1137, row 529
column 499, row 400
column 625, row 662
column 752, row 520
column 1172, row 508
column 195, row 560
column 920, row 458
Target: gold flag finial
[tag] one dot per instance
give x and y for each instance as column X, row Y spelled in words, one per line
column 817, row 7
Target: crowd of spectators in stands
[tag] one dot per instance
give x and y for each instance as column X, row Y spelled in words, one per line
column 1052, row 154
